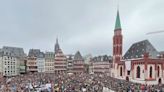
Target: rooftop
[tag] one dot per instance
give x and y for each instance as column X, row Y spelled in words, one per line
column 138, row 49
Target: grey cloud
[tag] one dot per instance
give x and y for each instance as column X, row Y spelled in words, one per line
column 85, row 25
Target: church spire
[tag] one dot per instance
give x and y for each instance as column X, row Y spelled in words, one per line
column 118, row 23
column 57, row 47
column 56, row 40
column 117, row 40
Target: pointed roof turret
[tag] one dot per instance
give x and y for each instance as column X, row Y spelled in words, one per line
column 118, row 23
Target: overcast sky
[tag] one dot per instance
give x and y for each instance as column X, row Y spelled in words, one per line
column 84, row 25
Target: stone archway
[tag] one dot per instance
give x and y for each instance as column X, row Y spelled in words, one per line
column 159, row 81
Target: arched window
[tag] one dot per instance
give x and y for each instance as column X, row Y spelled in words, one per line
column 120, row 71
column 138, row 72
column 150, row 73
column 158, row 71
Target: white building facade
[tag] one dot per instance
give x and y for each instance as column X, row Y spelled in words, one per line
column 49, row 62
column 41, row 62
column 10, row 58
column 10, row 66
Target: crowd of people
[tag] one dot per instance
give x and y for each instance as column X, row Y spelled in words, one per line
column 42, row 82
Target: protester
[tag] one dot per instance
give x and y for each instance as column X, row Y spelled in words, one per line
column 43, row 82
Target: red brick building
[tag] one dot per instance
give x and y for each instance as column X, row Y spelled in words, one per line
column 142, row 63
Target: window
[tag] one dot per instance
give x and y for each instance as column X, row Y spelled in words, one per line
column 158, row 71
column 120, row 71
column 128, row 72
column 150, row 73
column 138, row 72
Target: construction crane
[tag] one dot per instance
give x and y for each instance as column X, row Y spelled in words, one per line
column 155, row 32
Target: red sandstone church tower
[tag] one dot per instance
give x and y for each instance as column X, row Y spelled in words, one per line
column 117, row 41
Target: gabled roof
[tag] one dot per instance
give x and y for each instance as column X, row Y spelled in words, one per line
column 34, row 52
column 137, row 50
column 102, row 58
column 78, row 56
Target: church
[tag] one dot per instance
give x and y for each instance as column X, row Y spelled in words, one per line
column 142, row 63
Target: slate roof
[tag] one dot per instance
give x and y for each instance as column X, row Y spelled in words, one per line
column 138, row 49
column 13, row 51
column 102, row 58
column 78, row 56
column 34, row 52
column 41, row 55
